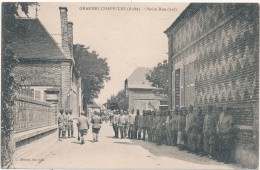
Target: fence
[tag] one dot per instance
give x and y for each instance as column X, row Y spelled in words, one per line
column 32, row 114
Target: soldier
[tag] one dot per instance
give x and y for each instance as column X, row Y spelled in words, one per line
column 153, row 126
column 189, row 129
column 70, row 125
column 136, row 124
column 225, row 134
column 168, row 129
column 126, row 113
column 198, row 131
column 158, row 131
column 131, row 124
column 163, row 126
column 65, row 118
column 148, row 124
column 174, row 128
column 142, row 125
column 83, row 126
column 61, row 123
column 121, row 124
column 181, row 129
column 209, row 132
column 115, row 123
column 96, row 125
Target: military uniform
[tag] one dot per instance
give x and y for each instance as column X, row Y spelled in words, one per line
column 122, row 120
column 142, row 126
column 66, row 123
column 158, row 130
column 70, row 125
column 83, row 126
column 174, row 129
column 60, row 124
column 209, row 134
column 168, row 130
column 96, row 125
column 225, row 136
column 115, row 125
column 189, row 130
column 198, row 131
column 136, row 125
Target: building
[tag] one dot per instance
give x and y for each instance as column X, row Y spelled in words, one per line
column 214, row 59
column 45, row 67
column 140, row 94
column 93, row 107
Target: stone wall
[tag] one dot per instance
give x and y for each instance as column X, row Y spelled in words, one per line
column 220, row 44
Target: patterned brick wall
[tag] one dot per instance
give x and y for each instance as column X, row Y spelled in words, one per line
column 222, row 42
column 66, row 84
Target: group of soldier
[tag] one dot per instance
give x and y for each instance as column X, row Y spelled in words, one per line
column 209, row 134
column 65, row 124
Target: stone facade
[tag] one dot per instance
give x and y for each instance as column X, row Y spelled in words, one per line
column 214, row 59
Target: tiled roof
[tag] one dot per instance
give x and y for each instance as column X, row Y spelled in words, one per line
column 32, row 40
column 138, row 79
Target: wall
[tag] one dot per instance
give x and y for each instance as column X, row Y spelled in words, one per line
column 140, row 97
column 220, row 42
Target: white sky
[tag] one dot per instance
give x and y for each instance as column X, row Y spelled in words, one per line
column 128, row 39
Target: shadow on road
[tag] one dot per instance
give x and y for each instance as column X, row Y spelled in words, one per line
column 173, row 152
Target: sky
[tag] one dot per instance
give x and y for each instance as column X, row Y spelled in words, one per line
column 127, row 38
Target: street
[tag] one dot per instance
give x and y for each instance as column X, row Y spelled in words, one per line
column 112, row 153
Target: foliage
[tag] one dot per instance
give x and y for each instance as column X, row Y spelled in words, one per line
column 159, row 76
column 9, row 86
column 94, row 71
column 118, row 101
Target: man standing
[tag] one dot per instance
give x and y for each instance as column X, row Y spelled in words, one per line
column 70, row 125
column 121, row 124
column 83, row 126
column 198, row 132
column 115, row 123
column 189, row 129
column 96, row 125
column 131, row 124
column 181, row 129
column 61, row 123
column 174, row 128
column 225, row 134
column 142, row 125
column 136, row 124
column 168, row 129
column 126, row 129
column 66, row 122
column 209, row 132
column 158, row 131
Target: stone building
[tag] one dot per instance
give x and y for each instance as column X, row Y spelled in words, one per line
column 140, row 93
column 46, row 68
column 214, row 59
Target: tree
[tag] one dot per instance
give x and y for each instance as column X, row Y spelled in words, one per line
column 9, row 86
column 94, row 71
column 118, row 101
column 159, row 76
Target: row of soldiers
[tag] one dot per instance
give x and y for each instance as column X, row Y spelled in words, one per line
column 65, row 124
column 209, row 134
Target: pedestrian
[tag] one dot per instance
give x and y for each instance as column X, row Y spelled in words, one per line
column 61, row 123
column 168, row 128
column 96, row 125
column 122, row 119
column 209, row 132
column 154, row 126
column 131, row 124
column 126, row 129
column 149, row 125
column 158, row 131
column 136, row 124
column 225, row 133
column 198, row 131
column 142, row 125
column 115, row 123
column 189, row 130
column 83, row 126
column 66, row 123
column 174, row 128
column 181, row 129
column 163, row 126
column 70, row 125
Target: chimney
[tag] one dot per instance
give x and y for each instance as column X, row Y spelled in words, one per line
column 70, row 37
column 64, row 30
